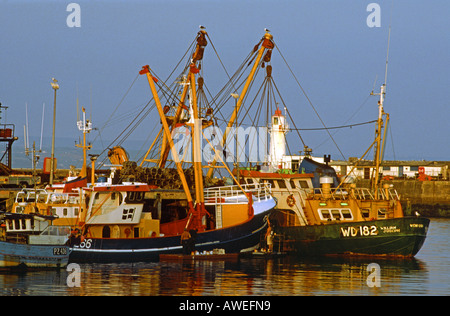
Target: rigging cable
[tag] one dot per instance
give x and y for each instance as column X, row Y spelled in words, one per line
column 304, row 92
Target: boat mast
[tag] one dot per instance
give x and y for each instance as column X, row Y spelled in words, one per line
column 196, row 143
column 193, row 69
column 85, row 126
column 379, row 147
column 267, row 43
column 151, row 81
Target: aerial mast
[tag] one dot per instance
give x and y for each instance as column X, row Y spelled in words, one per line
column 85, row 126
column 379, row 146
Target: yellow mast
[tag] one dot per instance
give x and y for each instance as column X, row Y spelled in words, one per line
column 267, row 43
column 197, row 56
column 146, row 70
column 198, row 175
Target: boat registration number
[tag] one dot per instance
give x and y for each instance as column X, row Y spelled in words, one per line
column 359, row 231
column 59, row 251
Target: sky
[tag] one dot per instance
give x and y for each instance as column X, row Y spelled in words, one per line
column 336, row 57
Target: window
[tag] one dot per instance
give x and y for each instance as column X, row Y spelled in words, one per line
column 382, row 213
column 295, row 165
column 336, row 214
column 275, row 120
column 76, row 211
column 365, row 212
column 270, row 181
column 133, row 197
column 291, row 182
column 281, row 184
column 325, row 214
column 139, row 196
column 304, row 184
column 347, row 214
column 20, row 209
column 128, row 214
column 64, row 211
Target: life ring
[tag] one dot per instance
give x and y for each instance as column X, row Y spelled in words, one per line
column 290, row 200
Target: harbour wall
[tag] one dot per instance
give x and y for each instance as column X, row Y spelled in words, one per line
column 429, row 198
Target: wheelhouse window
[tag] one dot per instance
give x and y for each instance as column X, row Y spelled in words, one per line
column 292, row 183
column 382, row 213
column 335, row 214
column 365, row 212
column 281, row 184
column 347, row 214
column 270, row 181
column 304, row 184
column 325, row 215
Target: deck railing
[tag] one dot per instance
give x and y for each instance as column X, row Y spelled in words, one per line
column 357, row 193
column 44, row 196
column 234, row 193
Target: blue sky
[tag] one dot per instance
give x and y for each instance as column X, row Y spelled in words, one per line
column 328, row 45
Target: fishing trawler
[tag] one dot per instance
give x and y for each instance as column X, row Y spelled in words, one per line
column 332, row 219
column 319, row 214
column 127, row 220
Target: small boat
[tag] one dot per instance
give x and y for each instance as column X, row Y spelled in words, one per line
column 20, row 248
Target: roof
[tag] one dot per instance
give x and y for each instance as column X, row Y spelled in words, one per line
column 393, row 163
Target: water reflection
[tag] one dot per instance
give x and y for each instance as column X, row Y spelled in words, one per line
column 428, row 274
column 286, row 276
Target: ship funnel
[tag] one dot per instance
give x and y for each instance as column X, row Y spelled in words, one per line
column 325, row 183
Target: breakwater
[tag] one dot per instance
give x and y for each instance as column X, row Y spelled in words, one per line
column 429, row 198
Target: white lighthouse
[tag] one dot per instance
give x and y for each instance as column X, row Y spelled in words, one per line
column 278, row 130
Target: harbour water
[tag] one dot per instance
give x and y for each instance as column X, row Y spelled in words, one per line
column 427, row 274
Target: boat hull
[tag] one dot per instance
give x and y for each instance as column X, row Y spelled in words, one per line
column 238, row 238
column 33, row 256
column 400, row 237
